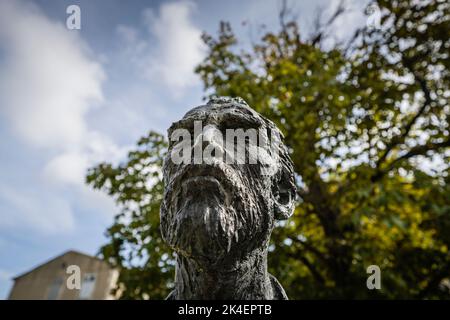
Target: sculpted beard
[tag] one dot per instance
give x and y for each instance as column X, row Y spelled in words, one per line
column 221, row 224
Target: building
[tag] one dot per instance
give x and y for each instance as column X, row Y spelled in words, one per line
column 54, row 279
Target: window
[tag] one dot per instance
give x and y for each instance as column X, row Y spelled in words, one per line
column 87, row 286
column 55, row 288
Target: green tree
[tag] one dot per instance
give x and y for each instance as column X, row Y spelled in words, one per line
column 135, row 244
column 367, row 126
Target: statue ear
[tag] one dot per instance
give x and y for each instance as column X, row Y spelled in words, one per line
column 284, row 193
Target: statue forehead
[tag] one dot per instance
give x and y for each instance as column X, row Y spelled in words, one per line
column 222, row 106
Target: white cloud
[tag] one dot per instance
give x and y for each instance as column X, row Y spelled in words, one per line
column 5, row 283
column 49, row 82
column 30, row 210
column 69, row 167
column 172, row 48
column 5, row 275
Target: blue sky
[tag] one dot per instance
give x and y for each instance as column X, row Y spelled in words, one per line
column 72, row 98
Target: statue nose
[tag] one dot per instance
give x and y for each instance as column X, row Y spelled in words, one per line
column 210, row 134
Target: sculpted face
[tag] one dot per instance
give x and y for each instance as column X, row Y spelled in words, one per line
column 215, row 208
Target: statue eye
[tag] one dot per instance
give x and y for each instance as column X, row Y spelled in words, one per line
column 282, row 194
column 284, row 197
column 238, row 123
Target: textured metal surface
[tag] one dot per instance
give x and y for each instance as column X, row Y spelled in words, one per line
column 218, row 217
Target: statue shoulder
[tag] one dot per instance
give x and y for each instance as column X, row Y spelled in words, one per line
column 277, row 289
column 171, row 296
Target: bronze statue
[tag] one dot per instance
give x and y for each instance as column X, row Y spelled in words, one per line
column 218, row 211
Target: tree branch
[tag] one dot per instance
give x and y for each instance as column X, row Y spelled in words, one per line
column 319, row 25
column 310, row 248
column 435, row 281
column 316, row 274
column 282, row 15
column 407, row 129
column 418, row 150
column 400, row 138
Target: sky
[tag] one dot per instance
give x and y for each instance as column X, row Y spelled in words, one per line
column 70, row 99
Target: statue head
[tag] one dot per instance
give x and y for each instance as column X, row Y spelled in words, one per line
column 228, row 178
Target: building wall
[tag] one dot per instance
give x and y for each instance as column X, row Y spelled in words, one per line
column 40, row 283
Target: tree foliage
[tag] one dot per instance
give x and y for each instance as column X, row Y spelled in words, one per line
column 367, row 124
